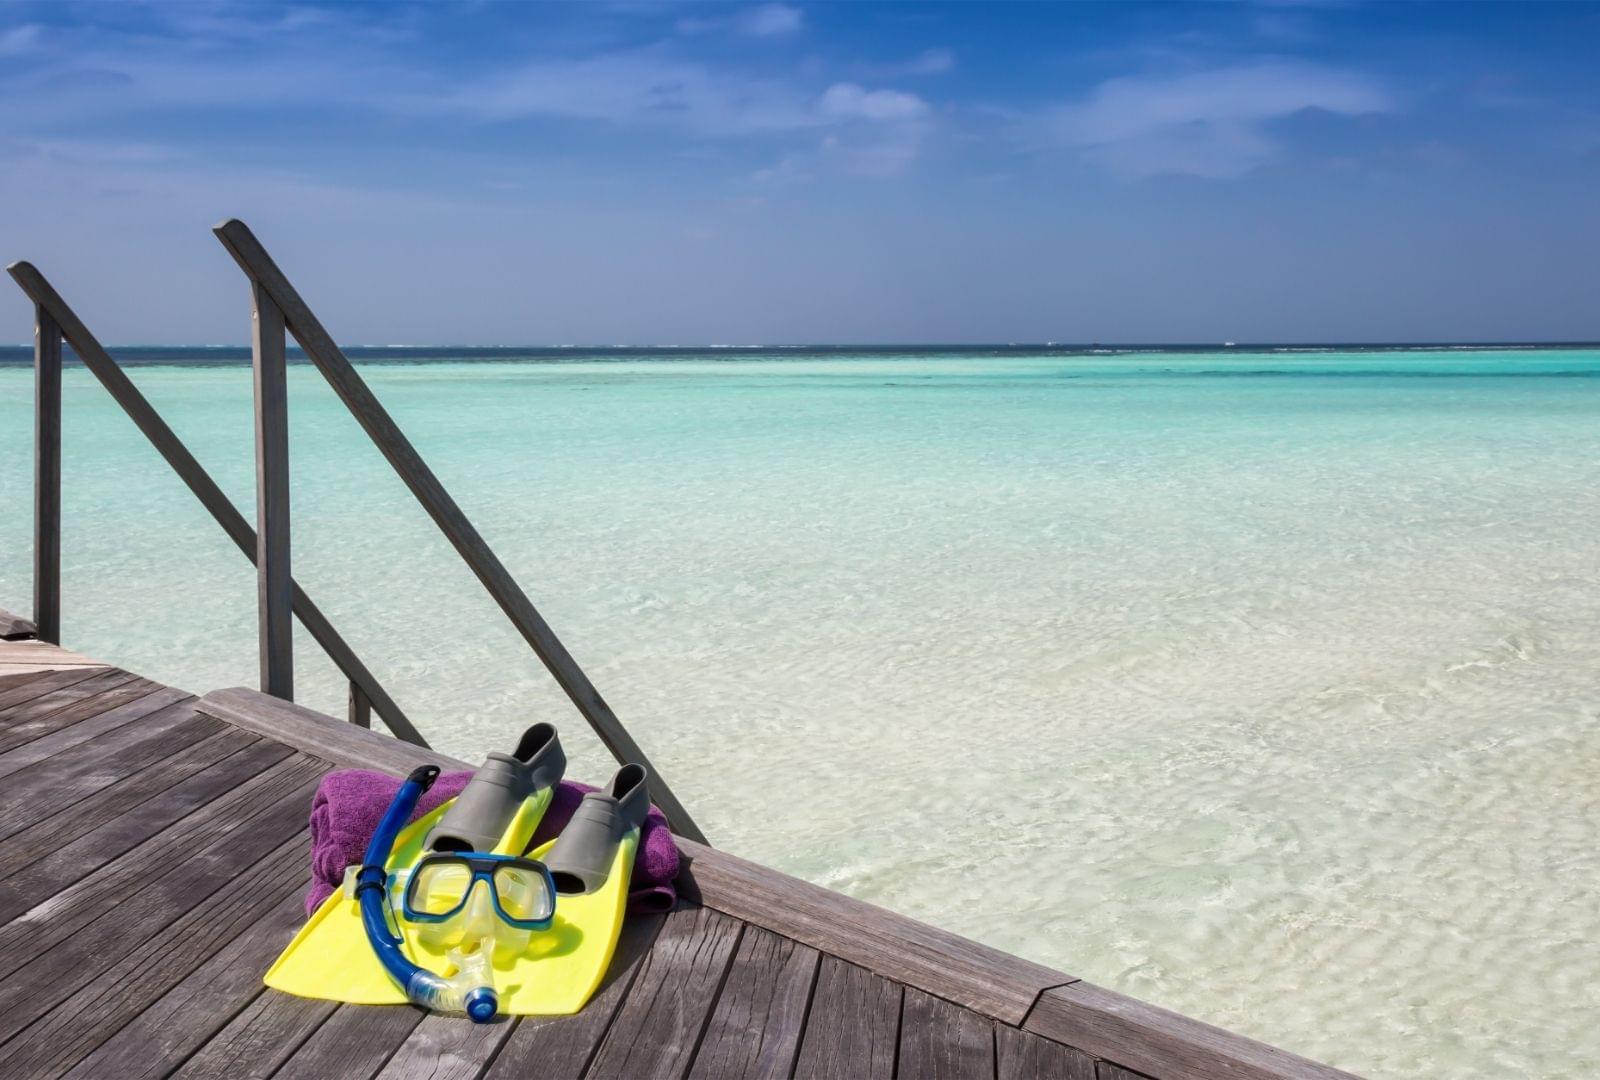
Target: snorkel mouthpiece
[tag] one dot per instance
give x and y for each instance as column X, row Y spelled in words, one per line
column 471, row 989
column 481, row 1005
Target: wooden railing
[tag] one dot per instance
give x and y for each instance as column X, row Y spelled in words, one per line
column 54, row 321
column 277, row 312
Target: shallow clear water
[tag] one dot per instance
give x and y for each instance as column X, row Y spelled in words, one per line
column 1259, row 686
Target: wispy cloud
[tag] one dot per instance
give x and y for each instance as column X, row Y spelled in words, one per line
column 1214, row 123
column 762, row 21
column 926, row 62
column 19, row 39
column 851, row 102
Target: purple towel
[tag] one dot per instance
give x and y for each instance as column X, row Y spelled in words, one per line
column 350, row 802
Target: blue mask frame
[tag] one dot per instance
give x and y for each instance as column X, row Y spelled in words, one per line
column 482, row 868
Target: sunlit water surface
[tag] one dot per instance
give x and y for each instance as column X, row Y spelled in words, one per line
column 1263, row 687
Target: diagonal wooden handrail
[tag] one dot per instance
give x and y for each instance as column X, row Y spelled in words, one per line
column 190, row 471
column 319, row 345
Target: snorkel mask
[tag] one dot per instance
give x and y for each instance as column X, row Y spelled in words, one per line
column 470, row 989
column 442, row 890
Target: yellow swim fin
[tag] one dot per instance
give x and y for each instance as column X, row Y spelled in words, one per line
column 331, row 958
column 557, row 971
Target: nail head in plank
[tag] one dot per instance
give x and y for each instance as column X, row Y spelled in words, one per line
column 853, row 1026
column 1153, row 1040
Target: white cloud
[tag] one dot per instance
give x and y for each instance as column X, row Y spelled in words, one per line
column 19, row 39
column 764, row 21
column 1208, row 123
column 639, row 87
column 926, row 62
column 851, row 102
column 769, row 20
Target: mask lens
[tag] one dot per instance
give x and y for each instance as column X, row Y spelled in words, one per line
column 438, row 888
column 524, row 893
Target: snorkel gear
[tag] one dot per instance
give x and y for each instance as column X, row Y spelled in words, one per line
column 471, row 989
column 585, row 852
column 487, row 808
column 440, row 886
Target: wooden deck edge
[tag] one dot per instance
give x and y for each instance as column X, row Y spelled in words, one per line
column 1156, row 1041
column 1017, row 992
column 975, row 976
column 318, row 734
column 947, row 965
column 27, row 654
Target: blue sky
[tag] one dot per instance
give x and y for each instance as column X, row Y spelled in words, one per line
column 687, row 173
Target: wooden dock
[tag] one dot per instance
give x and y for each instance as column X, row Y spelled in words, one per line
column 154, row 857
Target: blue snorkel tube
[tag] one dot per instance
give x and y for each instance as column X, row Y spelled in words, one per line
column 421, row 986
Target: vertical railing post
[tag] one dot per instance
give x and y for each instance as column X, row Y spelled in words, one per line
column 274, row 586
column 46, row 476
column 360, row 709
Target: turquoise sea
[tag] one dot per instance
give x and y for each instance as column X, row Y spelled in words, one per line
column 1263, row 685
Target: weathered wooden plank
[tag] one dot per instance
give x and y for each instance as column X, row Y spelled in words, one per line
column 14, row 627
column 46, row 475
column 60, row 967
column 66, row 707
column 345, row 745
column 944, row 964
column 69, row 691
column 1152, row 1040
column 42, row 682
column 853, row 1027
column 258, row 1039
column 10, row 680
column 199, row 482
column 1024, row 1056
column 61, row 850
column 38, row 750
column 45, row 653
column 274, row 598
column 756, row 1025
column 392, row 443
column 355, row 1041
column 537, row 1041
column 450, row 1048
column 199, row 1005
column 939, row 1040
column 1105, row 1070
column 77, row 773
column 67, row 1033
column 658, row 1027
column 164, row 871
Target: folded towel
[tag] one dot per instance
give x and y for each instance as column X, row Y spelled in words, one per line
column 350, row 802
